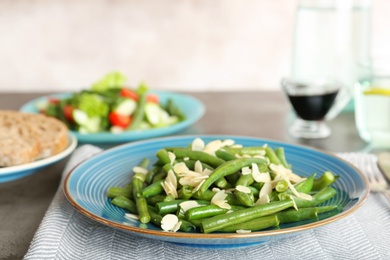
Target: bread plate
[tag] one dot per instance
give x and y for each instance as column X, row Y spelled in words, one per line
column 192, row 108
column 16, row 172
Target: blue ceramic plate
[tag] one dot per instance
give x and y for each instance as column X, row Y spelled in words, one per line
column 192, row 108
column 19, row 171
column 86, row 188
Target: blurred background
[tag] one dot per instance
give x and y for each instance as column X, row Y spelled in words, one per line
column 182, row 45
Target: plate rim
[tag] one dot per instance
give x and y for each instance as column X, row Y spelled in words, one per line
column 72, row 144
column 255, row 234
column 126, row 136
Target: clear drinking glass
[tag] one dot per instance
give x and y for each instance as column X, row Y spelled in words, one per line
column 330, row 38
column 372, row 102
column 311, row 101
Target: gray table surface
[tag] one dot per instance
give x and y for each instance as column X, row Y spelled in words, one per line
column 23, row 202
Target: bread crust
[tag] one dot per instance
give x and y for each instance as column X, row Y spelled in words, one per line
column 37, row 136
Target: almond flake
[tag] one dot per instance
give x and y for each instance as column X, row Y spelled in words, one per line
column 266, row 189
column 198, row 167
column 261, row 177
column 180, row 167
column 243, row 189
column 131, row 216
column 212, row 146
column 169, row 222
column 215, row 189
column 237, row 146
column 298, row 194
column 170, row 189
column 222, row 204
column 243, row 231
column 186, row 158
column 189, row 204
column 229, row 191
column 198, row 186
column 220, row 195
column 172, row 157
column 246, row 171
column 227, row 142
column 295, row 204
column 263, row 200
column 219, row 200
column 197, row 145
column 170, row 184
column 207, row 172
column 177, row 226
column 138, row 169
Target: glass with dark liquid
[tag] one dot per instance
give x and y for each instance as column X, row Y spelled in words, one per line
column 311, row 102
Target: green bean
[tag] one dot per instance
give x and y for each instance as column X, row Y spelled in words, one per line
column 204, row 212
column 233, row 178
column 254, row 224
column 257, row 185
column 168, row 167
column 293, row 215
column 273, row 158
column 152, row 173
column 252, row 151
column 324, row 181
column 118, row 191
column 245, row 180
column 153, row 189
column 155, row 218
column 152, row 200
column 254, row 191
column 169, row 198
column 185, row 192
column 318, row 198
column 285, row 216
column 125, row 203
column 246, row 199
column 166, row 207
column 305, row 186
column 281, row 186
column 186, row 226
column 274, row 196
column 227, row 168
column 225, row 155
column 139, row 112
column 207, row 195
column 140, row 201
column 282, row 158
column 144, row 163
column 163, row 156
column 222, row 183
column 159, row 176
column 198, row 155
column 221, row 221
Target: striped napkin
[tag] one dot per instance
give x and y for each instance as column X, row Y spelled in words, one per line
column 67, row 234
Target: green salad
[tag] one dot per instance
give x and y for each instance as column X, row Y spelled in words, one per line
column 111, row 106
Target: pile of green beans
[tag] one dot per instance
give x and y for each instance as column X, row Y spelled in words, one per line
column 146, row 196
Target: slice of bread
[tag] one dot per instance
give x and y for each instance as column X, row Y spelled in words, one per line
column 16, row 146
column 27, row 137
column 53, row 137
